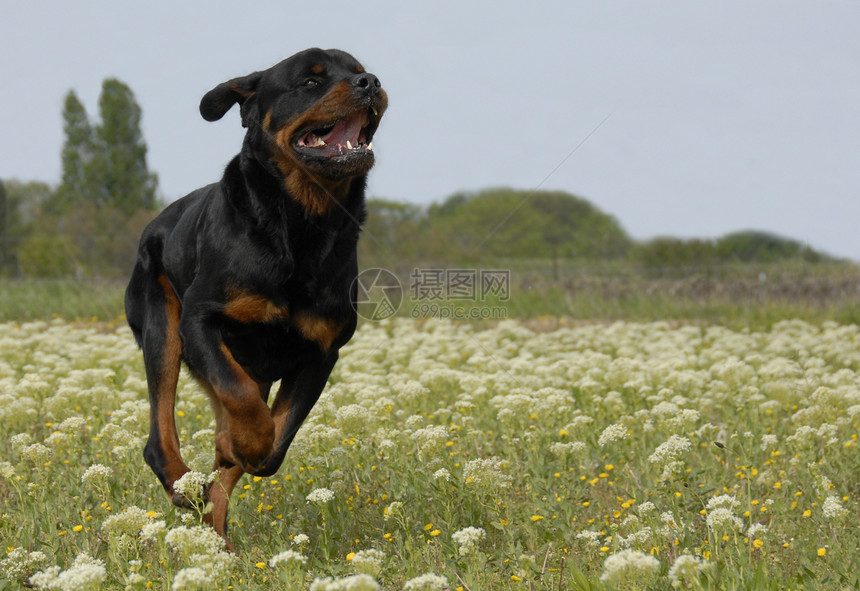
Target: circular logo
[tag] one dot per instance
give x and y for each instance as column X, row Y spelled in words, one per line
column 379, row 294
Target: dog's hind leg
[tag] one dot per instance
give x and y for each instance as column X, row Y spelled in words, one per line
column 162, row 354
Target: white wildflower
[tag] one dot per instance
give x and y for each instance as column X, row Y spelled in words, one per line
column 96, row 475
column 721, row 518
column 486, row 472
column 590, row 537
column 833, row 508
column 37, row 453
column 187, row 541
column 192, row 484
column 19, row 562
column 320, row 496
column 562, row 450
column 353, row 417
column 7, row 470
column 20, row 441
column 300, row 540
column 668, row 519
column 426, row 582
column 442, row 474
column 85, row 574
column 128, row 523
column 360, row 582
column 686, row 569
column 630, row 569
column 430, row 437
column 721, row 501
column 288, row 558
column 768, row 441
column 368, row 562
column 153, row 532
column 637, row 538
column 670, row 450
column 646, row 507
column 614, row 432
column 192, row 578
column 72, row 425
column 468, row 538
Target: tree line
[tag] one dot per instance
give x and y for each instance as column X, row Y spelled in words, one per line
column 88, row 225
column 510, row 225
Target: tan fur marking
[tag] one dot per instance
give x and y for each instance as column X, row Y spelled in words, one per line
column 322, row 331
column 248, row 421
column 317, row 69
column 244, row 93
column 246, row 307
column 172, row 353
column 219, row 494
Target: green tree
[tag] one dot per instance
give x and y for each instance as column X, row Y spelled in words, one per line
column 5, row 243
column 76, row 188
column 390, row 236
column 518, row 224
column 763, row 247
column 105, row 166
column 25, row 203
column 119, row 169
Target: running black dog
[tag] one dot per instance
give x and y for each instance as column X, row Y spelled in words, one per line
column 250, row 280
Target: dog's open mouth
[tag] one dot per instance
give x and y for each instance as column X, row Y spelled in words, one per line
column 350, row 134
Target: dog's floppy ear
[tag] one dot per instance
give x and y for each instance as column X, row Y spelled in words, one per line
column 218, row 101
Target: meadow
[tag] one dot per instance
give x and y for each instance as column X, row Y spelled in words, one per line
column 445, row 456
column 737, row 296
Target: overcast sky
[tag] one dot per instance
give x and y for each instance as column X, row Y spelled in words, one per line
column 679, row 118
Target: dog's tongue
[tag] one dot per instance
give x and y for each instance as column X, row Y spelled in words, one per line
column 345, row 130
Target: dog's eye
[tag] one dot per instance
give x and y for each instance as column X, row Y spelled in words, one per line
column 311, row 83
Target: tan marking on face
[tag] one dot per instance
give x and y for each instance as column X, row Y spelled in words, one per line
column 315, row 195
column 246, row 307
column 317, row 69
column 322, row 331
column 267, row 121
column 359, row 69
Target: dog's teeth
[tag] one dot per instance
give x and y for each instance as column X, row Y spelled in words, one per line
column 375, row 112
column 370, row 146
column 348, row 145
column 319, row 142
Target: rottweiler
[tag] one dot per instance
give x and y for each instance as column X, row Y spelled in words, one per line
column 251, row 280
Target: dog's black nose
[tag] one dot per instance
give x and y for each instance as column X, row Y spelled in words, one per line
column 368, row 82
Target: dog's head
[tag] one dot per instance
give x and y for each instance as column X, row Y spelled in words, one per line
column 314, row 114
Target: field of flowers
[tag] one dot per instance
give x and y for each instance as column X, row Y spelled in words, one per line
column 444, row 456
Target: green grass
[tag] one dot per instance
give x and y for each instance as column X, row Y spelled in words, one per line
column 742, row 296
column 23, row 300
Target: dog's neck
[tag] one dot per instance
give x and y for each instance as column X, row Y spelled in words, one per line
column 295, row 203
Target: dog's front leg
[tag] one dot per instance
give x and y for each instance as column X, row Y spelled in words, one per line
column 246, row 431
column 296, row 397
